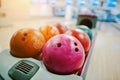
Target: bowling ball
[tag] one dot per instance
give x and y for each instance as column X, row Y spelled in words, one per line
column 62, row 29
column 26, row 42
column 63, row 54
column 82, row 37
column 49, row 31
column 87, row 30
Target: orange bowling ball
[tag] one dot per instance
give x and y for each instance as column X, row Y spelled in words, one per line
column 49, row 31
column 26, row 42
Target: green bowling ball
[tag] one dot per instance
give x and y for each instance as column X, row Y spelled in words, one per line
column 87, row 30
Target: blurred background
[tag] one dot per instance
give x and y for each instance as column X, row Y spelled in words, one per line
column 20, row 9
column 105, row 61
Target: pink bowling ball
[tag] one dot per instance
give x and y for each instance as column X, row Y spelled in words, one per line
column 63, row 54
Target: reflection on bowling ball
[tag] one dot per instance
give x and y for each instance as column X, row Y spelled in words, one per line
column 62, row 29
column 49, row 31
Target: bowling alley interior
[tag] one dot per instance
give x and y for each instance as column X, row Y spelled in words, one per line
column 59, row 39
